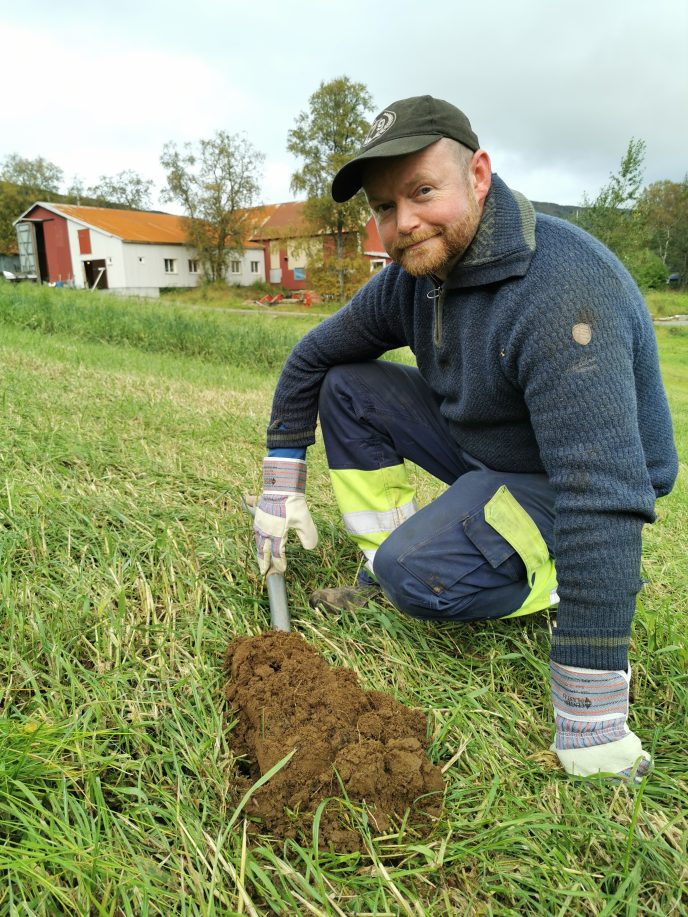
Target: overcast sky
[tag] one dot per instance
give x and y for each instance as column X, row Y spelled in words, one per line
column 554, row 89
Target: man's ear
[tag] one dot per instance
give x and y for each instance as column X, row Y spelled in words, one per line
column 480, row 174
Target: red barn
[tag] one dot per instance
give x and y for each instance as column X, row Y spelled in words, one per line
column 287, row 240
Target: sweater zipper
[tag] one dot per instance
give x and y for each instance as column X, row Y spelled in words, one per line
column 438, row 303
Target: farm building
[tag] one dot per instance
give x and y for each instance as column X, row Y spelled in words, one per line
column 127, row 251
column 286, row 238
column 141, row 252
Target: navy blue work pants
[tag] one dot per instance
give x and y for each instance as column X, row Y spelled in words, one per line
column 445, row 562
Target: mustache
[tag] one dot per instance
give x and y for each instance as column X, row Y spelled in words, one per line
column 413, row 239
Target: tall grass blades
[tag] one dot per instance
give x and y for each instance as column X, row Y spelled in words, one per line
column 128, row 434
column 236, row 340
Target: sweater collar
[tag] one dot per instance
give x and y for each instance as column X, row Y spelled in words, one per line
column 504, row 244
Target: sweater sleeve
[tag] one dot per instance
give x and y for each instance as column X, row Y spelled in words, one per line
column 364, row 329
column 579, row 361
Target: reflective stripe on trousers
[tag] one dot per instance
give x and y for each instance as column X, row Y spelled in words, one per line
column 373, row 503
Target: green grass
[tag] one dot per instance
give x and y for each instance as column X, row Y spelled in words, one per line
column 220, row 296
column 129, row 432
column 665, row 303
column 217, row 336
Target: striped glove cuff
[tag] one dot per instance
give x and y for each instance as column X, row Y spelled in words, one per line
column 591, row 735
column 284, row 476
column 590, row 706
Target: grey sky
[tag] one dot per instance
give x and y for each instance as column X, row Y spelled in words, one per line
column 554, row 90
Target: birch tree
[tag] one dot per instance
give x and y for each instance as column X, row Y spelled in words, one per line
column 329, row 133
column 213, row 181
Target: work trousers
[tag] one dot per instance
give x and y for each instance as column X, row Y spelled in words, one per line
column 444, row 561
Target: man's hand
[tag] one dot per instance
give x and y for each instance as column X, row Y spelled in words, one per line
column 590, row 712
column 281, row 507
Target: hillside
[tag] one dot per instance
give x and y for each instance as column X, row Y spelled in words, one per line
column 15, row 199
column 564, row 211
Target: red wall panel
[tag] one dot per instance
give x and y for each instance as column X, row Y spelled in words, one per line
column 56, row 237
column 84, row 241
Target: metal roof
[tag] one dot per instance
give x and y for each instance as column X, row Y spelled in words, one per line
column 261, row 224
column 129, row 225
column 146, row 226
column 278, row 221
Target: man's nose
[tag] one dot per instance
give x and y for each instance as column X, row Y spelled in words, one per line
column 407, row 218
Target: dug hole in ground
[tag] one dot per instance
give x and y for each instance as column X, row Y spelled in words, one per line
column 362, row 745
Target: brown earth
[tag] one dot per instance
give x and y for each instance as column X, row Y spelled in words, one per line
column 364, row 744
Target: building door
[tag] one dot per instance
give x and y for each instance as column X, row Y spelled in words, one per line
column 41, row 254
column 96, row 274
column 26, row 243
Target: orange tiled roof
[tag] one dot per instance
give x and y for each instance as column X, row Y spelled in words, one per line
column 278, row 221
column 132, row 225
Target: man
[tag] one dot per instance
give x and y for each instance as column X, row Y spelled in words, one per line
column 537, row 400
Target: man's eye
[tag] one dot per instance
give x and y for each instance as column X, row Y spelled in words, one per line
column 383, row 208
column 424, row 189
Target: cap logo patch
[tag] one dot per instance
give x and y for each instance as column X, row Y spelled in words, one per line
column 380, row 126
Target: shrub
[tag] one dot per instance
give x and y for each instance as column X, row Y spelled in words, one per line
column 648, row 270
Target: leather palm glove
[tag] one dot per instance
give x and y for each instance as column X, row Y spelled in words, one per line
column 281, row 507
column 590, row 712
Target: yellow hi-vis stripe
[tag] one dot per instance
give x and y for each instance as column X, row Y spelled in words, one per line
column 373, row 503
column 506, row 515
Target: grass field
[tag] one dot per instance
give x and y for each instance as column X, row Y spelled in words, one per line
column 661, row 303
column 126, row 566
column 665, row 303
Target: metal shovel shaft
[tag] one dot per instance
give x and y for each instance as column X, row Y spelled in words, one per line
column 277, row 596
column 277, row 591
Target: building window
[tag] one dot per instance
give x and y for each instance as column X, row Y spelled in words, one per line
column 299, row 273
column 193, row 265
column 170, row 265
column 376, row 265
column 255, row 267
column 235, row 267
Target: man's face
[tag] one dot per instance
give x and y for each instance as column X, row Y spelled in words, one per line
column 426, row 207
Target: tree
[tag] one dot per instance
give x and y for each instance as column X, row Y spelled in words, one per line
column 664, row 206
column 76, row 191
column 325, row 137
column 37, row 175
column 127, row 188
column 22, row 183
column 608, row 216
column 338, row 277
column 612, row 216
column 213, row 183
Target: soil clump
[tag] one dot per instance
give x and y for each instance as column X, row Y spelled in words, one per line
column 362, row 744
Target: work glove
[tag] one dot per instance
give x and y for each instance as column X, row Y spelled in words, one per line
column 281, row 507
column 591, row 735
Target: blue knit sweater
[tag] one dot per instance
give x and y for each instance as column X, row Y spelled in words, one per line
column 543, row 352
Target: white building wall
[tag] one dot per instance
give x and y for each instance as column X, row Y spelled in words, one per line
column 245, row 276
column 77, row 269
column 275, row 269
column 138, row 268
column 103, row 247
column 144, row 267
column 299, row 251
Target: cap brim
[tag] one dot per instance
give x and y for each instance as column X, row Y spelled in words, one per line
column 349, row 179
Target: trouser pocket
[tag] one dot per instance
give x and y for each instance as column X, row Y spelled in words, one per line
column 451, row 568
column 483, row 564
